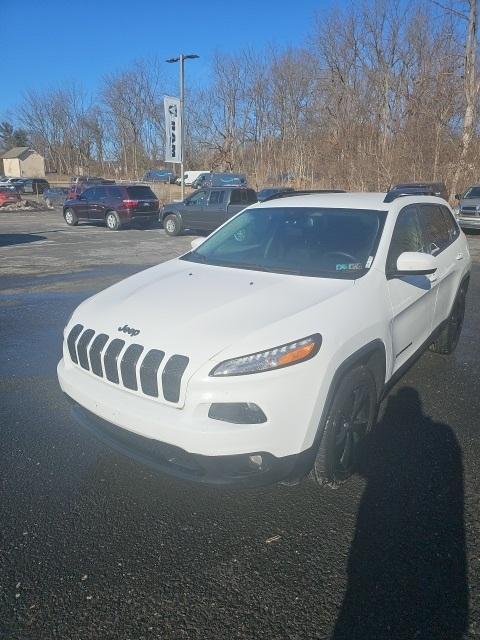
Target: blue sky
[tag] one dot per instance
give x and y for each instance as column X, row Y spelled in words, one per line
column 48, row 42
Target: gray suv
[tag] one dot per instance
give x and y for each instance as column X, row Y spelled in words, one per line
column 469, row 208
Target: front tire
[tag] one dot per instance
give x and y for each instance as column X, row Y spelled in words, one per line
column 71, row 217
column 447, row 341
column 172, row 225
column 351, row 416
column 112, row 220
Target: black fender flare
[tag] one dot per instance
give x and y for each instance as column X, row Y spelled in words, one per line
column 172, row 213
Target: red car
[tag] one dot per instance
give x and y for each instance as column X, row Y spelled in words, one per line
column 8, row 196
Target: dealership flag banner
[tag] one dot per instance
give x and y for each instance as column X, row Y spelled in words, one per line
column 173, row 129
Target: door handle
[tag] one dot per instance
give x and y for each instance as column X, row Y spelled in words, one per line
column 459, row 256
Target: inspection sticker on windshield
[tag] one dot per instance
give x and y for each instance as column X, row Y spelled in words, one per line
column 349, row 267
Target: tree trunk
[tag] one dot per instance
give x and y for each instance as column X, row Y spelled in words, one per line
column 471, row 90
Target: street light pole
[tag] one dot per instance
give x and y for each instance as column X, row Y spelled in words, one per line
column 181, row 59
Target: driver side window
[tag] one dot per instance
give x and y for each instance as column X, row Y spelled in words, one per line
column 407, row 236
column 199, row 198
column 90, row 194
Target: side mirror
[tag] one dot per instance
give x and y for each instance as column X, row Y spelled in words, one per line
column 80, row 197
column 415, row 263
column 196, row 242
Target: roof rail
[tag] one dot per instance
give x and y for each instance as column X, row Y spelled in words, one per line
column 400, row 193
column 290, row 194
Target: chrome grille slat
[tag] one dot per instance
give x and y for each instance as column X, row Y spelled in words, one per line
column 128, row 366
column 71, row 340
column 96, row 350
column 82, row 346
column 149, row 370
column 110, row 360
column 172, row 377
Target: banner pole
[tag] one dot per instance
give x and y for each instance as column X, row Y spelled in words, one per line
column 182, row 124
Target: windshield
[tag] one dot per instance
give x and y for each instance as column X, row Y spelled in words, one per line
column 473, row 192
column 332, row 243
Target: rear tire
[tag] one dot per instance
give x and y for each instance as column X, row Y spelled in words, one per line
column 351, row 416
column 172, row 225
column 71, row 217
column 112, row 220
column 447, row 341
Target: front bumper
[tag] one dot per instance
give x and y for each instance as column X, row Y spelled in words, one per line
column 228, row 470
column 471, row 222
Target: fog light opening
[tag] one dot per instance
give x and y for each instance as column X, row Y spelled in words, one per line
column 237, row 412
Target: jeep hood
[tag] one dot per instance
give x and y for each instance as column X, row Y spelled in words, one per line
column 199, row 310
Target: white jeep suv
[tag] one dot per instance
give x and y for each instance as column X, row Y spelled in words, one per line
column 262, row 354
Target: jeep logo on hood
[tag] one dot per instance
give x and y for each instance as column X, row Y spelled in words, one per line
column 131, row 332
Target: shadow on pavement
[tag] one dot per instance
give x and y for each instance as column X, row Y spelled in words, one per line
column 10, row 239
column 407, row 574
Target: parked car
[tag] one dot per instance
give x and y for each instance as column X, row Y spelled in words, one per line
column 55, row 195
column 190, row 177
column 263, row 353
column 34, row 185
column 434, row 188
column 115, row 205
column 159, row 175
column 14, row 183
column 469, row 208
column 267, row 192
column 205, row 210
column 8, row 196
column 219, row 180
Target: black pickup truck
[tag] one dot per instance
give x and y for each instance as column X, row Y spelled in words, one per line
column 206, row 209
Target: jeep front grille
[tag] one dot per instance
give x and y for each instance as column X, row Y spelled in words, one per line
column 132, row 368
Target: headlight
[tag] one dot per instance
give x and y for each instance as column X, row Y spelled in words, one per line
column 277, row 358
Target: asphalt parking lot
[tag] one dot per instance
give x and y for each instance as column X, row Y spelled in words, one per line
column 94, row 545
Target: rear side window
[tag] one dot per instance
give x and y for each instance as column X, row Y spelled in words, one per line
column 114, row 192
column 139, row 191
column 217, row 197
column 407, row 236
column 243, row 196
column 235, row 197
column 435, row 228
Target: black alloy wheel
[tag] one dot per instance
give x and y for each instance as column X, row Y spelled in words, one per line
column 351, row 416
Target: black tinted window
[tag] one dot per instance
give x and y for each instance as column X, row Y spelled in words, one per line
column 435, row 226
column 236, row 197
column 407, row 236
column 216, row 197
column 250, row 196
column 139, row 191
column 473, row 192
column 90, row 194
column 198, row 198
column 114, row 192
